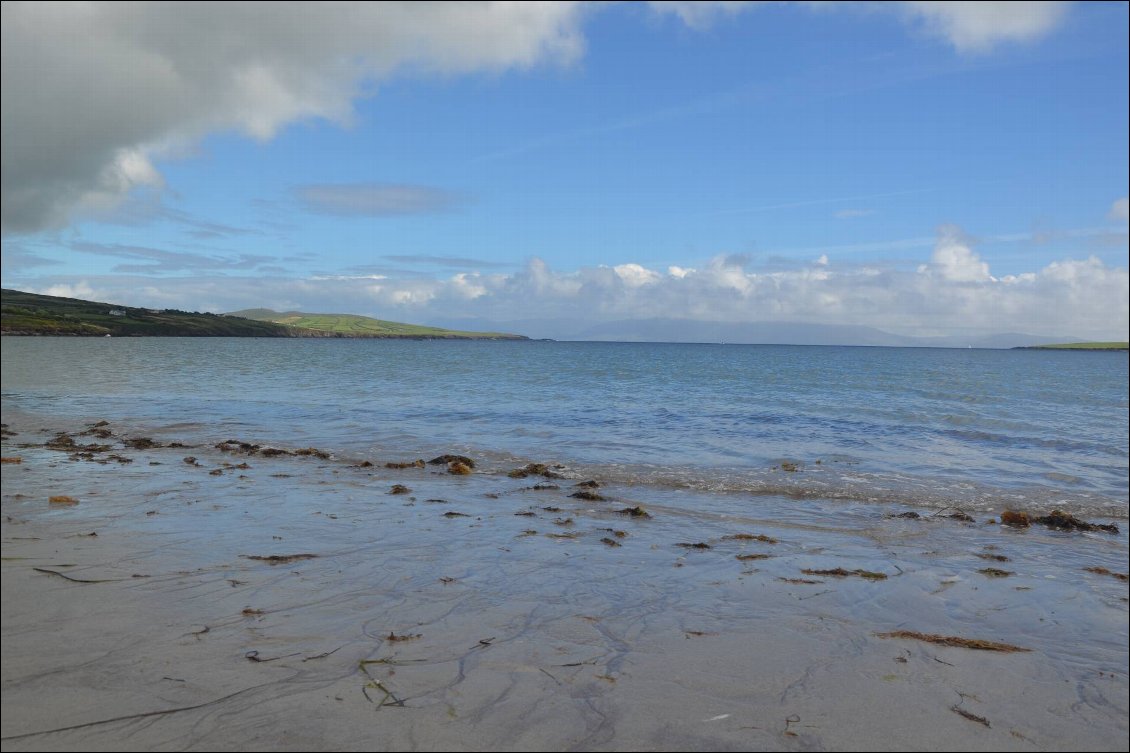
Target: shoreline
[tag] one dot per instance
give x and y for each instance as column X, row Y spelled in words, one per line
column 504, row 613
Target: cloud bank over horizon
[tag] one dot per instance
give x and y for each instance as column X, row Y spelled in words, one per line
column 954, row 292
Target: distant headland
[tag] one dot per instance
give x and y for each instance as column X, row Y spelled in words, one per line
column 1079, row 346
column 33, row 314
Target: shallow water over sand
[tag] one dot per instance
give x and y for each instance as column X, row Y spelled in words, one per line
column 974, row 428
column 479, row 612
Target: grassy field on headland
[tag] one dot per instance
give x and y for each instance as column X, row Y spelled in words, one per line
column 359, row 326
column 1081, row 346
column 32, row 314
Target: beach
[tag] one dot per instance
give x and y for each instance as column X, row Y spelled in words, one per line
column 245, row 600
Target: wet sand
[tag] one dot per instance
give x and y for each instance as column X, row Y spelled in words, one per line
column 413, row 628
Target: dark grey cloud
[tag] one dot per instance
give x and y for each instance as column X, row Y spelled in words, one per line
column 375, row 199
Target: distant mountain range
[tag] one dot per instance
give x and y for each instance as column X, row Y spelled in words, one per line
column 753, row 333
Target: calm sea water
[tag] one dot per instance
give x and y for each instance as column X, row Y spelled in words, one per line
column 975, row 428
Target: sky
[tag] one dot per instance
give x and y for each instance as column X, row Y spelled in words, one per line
column 923, row 168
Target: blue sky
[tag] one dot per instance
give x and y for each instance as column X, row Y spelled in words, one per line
column 921, row 168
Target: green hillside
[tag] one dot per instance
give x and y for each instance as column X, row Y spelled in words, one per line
column 1082, row 346
column 32, row 314
column 351, row 325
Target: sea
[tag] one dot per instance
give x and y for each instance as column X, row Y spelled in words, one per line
column 715, row 424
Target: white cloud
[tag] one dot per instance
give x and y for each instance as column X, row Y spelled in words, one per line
column 953, row 293
column 1120, row 209
column 954, row 259
column 971, row 27
column 80, row 290
column 635, row 275
column 977, row 27
column 93, row 92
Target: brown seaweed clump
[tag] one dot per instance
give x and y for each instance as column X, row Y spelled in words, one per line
column 699, row 545
column 1015, row 519
column 141, row 443
column 750, row 537
column 992, row 572
column 279, row 559
column 410, row 464
column 534, row 469
column 62, row 499
column 1062, row 521
column 589, row 496
column 11, row 460
column 448, row 459
column 634, row 512
column 949, row 640
column 457, row 468
column 1103, row 571
column 839, row 572
column 399, row 489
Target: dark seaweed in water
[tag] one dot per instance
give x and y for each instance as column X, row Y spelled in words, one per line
column 1063, row 521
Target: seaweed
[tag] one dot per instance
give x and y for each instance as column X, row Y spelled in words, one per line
column 590, row 484
column 534, row 469
column 1062, row 521
column 589, row 496
column 992, row 572
column 1015, row 519
column 399, row 489
column 62, row 499
column 11, row 460
column 448, row 459
column 394, row 638
column 970, row 716
column 320, row 454
column 279, row 559
column 910, row 515
column 140, row 443
column 839, row 572
column 975, row 644
column 401, row 466
column 993, row 557
column 64, row 576
column 745, row 557
column 634, row 512
column 610, row 541
column 699, row 545
column 1103, row 571
column 750, row 537
column 453, row 514
column 457, row 468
